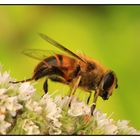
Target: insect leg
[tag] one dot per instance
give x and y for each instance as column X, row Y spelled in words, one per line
column 45, row 86
column 73, row 88
column 57, row 78
column 49, row 72
column 40, row 72
column 94, row 101
column 90, row 93
column 74, row 85
column 53, row 78
column 22, row 81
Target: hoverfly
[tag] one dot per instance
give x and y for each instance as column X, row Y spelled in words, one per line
column 72, row 69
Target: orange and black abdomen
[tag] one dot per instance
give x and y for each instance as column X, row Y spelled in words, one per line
column 70, row 67
column 58, row 64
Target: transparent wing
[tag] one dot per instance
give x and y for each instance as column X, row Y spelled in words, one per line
column 61, row 47
column 39, row 54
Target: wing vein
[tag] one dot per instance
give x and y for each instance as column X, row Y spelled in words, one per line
column 61, row 47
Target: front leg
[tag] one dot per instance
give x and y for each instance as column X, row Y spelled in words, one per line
column 73, row 88
column 96, row 94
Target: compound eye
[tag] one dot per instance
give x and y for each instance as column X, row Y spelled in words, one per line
column 108, row 81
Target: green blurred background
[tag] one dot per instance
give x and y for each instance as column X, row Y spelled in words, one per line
column 110, row 34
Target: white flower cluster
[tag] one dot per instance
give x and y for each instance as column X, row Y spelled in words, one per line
column 10, row 97
column 21, row 113
column 111, row 127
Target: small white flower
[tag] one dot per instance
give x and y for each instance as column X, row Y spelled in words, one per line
column 57, row 123
column 54, row 131
column 30, row 127
column 51, row 108
column 33, row 106
column 110, row 128
column 78, row 108
column 4, row 126
column 104, row 124
column 2, row 117
column 100, row 118
column 52, row 111
column 2, row 109
column 4, row 78
column 3, row 93
column 123, row 128
column 12, row 105
column 26, row 91
column 58, row 100
column 62, row 102
column 122, row 124
column 45, row 99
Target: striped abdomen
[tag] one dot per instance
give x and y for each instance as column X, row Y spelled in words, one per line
column 60, row 65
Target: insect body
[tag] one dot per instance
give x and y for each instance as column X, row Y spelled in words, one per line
column 74, row 70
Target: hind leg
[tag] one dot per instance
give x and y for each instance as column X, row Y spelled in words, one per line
column 57, row 78
column 54, row 78
column 22, row 81
column 45, row 86
column 90, row 93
